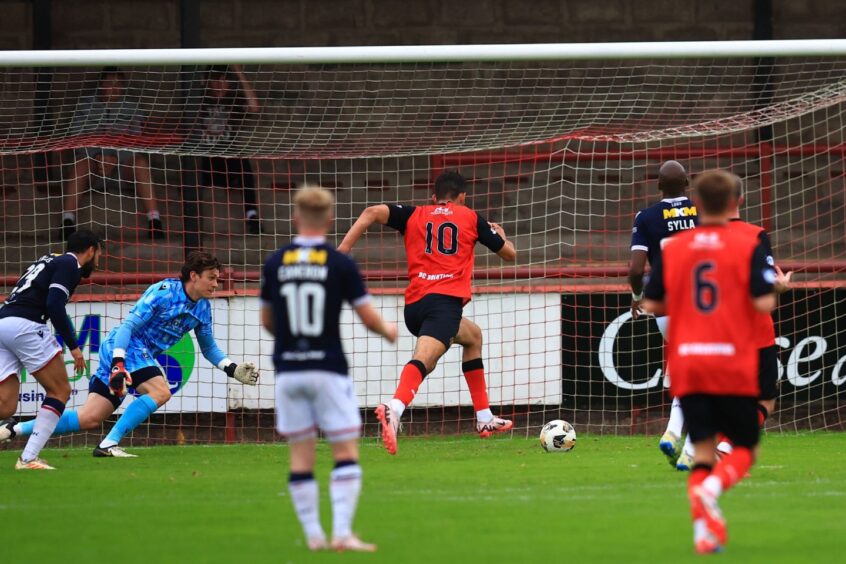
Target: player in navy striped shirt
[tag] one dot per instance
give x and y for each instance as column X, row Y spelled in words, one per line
column 40, row 294
column 165, row 313
column 674, row 213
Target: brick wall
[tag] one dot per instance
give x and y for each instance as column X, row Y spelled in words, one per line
column 79, row 24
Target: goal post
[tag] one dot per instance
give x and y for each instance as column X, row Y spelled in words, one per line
column 561, row 144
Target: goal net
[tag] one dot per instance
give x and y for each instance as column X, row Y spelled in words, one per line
column 562, row 152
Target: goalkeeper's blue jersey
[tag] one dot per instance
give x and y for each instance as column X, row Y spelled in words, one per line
column 166, row 314
column 659, row 221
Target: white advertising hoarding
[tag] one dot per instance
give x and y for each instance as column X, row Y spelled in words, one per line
column 522, row 355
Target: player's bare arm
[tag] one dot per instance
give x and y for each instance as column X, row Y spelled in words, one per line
column 765, row 303
column 637, row 267
column 373, row 321
column 654, row 307
column 507, row 252
column 782, row 281
column 267, row 320
column 373, row 214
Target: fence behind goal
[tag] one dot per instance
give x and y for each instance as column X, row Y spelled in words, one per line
column 561, row 145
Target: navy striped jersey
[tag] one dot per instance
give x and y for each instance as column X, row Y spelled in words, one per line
column 659, row 221
column 305, row 284
column 28, row 299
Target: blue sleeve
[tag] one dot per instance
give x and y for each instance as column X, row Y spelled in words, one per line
column 639, row 239
column 208, row 345
column 355, row 292
column 155, row 299
column 56, row 300
column 124, row 332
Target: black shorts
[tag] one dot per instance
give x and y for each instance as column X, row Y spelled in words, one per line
column 768, row 372
column 96, row 386
column 734, row 416
column 435, row 315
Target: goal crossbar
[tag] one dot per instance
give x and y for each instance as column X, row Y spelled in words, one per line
column 427, row 53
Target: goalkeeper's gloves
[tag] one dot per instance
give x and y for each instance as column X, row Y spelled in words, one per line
column 119, row 378
column 246, row 372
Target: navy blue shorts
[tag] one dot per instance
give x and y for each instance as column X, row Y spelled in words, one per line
column 435, row 315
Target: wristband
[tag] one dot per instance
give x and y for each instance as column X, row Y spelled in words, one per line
column 637, row 297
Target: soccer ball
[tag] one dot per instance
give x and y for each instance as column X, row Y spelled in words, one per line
column 558, row 436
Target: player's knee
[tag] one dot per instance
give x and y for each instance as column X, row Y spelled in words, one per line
column 60, row 390
column 160, row 395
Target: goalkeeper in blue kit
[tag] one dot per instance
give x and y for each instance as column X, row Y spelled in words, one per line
column 166, row 312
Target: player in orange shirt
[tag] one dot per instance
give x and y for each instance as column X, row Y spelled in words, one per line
column 440, row 242
column 714, row 282
column 768, row 350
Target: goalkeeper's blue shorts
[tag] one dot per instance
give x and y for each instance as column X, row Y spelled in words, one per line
column 138, row 357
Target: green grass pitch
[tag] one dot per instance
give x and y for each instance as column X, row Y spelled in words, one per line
column 613, row 499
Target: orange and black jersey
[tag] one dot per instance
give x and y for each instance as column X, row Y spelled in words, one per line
column 440, row 243
column 708, row 278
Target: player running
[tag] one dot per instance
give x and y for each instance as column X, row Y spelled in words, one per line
column 765, row 331
column 652, row 226
column 162, row 316
column 303, row 287
column 440, row 242
column 714, row 283
column 40, row 294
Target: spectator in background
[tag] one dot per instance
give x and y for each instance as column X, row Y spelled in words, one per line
column 108, row 112
column 227, row 97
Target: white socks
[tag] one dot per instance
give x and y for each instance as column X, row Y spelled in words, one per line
column 306, row 498
column 484, row 415
column 344, row 490
column 45, row 423
column 714, row 485
column 676, row 423
column 397, row 407
column 688, row 445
